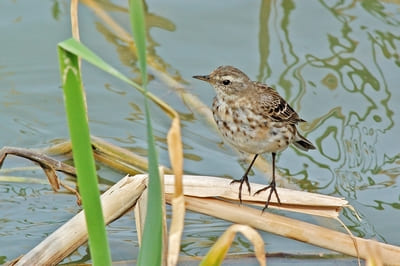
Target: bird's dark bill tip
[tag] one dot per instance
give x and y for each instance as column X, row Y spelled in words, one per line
column 205, row 77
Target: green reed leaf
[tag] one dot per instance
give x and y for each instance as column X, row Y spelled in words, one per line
column 83, row 156
column 151, row 248
column 79, row 49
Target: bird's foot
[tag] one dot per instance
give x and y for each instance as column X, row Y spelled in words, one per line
column 272, row 189
column 244, row 179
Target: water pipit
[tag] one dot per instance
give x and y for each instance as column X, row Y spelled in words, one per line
column 254, row 118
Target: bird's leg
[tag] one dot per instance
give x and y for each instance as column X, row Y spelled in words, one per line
column 271, row 187
column 245, row 179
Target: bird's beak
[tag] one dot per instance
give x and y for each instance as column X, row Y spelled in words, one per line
column 205, row 78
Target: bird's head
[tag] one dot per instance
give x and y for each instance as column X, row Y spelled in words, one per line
column 227, row 80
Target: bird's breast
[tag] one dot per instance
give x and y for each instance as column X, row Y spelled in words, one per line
column 248, row 131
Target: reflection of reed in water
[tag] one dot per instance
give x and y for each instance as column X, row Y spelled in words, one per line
column 122, row 40
column 343, row 81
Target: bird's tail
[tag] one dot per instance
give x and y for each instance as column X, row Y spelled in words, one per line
column 302, row 143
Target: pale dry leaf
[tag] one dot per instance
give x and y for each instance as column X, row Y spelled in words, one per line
column 178, row 202
column 220, row 248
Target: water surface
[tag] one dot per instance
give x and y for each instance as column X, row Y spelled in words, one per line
column 337, row 64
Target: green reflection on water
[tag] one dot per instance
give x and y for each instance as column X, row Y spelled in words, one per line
column 349, row 144
column 124, row 44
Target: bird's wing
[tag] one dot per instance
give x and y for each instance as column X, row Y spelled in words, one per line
column 275, row 107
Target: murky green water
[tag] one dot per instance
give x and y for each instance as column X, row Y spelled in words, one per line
column 338, row 65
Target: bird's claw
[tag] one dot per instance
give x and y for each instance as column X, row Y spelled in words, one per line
column 244, row 179
column 272, row 188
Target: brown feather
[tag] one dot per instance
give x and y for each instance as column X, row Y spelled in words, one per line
column 274, row 106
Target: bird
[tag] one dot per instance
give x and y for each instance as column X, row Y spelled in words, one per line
column 254, row 119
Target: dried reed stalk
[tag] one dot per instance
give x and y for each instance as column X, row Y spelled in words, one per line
column 175, row 150
column 292, row 200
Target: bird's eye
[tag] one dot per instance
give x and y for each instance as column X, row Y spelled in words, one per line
column 226, row 82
